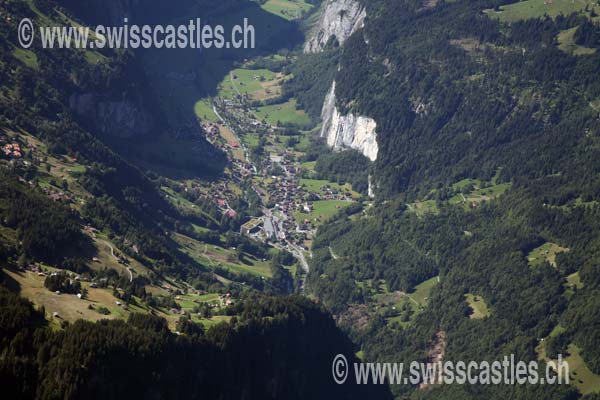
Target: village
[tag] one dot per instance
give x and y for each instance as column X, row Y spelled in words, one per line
column 287, row 219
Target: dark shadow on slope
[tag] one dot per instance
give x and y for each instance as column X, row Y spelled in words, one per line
column 175, row 79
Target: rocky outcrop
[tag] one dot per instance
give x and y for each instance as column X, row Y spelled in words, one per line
column 348, row 131
column 120, row 118
column 339, row 19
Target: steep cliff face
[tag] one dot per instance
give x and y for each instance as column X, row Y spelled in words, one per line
column 120, row 118
column 348, row 131
column 339, row 19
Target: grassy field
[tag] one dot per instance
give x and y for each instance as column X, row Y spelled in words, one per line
column 572, row 284
column 285, row 113
column 203, row 110
column 68, row 306
column 214, row 320
column 215, row 256
column 480, row 192
column 259, row 84
column 469, row 192
column 314, row 185
column 416, row 301
column 230, row 138
column 566, row 43
column 546, row 252
column 478, row 306
column 288, row 9
column 423, row 207
column 107, row 260
column 322, row 211
column 580, row 375
column 189, row 301
column 574, row 280
column 61, row 167
column 538, row 8
column 423, row 289
column 309, row 165
column 182, row 203
column 27, row 57
column 250, row 140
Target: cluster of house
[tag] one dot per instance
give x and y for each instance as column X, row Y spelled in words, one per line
column 12, row 150
column 284, row 191
column 225, row 209
column 58, row 195
column 211, row 132
column 329, row 193
column 224, row 300
column 240, row 171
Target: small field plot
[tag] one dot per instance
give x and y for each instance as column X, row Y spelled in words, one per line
column 27, row 57
column 258, row 84
column 479, row 308
column 288, row 9
column 472, row 192
column 573, row 283
column 203, row 110
column 566, row 43
column 214, row 320
column 188, row 302
column 538, row 8
column 108, row 256
column 309, row 165
column 322, row 211
column 423, row 207
column 218, row 257
column 574, row 280
column 546, row 252
column 323, row 186
column 580, row 375
column 68, row 306
column 232, row 141
column 284, row 113
column 423, row 289
column 409, row 305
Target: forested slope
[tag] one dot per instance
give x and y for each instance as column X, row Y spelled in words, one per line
column 486, row 187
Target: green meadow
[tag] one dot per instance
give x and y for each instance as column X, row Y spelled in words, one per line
column 538, row 8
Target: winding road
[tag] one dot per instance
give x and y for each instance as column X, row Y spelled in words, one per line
column 112, row 252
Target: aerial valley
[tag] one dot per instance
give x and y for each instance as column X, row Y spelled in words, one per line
column 390, row 180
